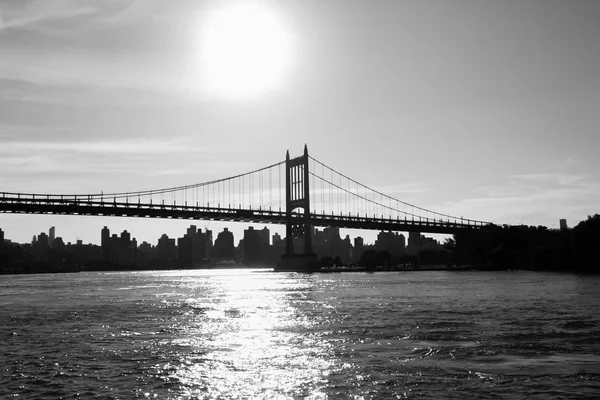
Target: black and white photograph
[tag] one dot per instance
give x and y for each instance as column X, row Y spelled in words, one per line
column 299, row 199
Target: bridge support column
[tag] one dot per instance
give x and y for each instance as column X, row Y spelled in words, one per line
column 297, row 195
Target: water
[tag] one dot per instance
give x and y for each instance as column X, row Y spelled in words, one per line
column 256, row 334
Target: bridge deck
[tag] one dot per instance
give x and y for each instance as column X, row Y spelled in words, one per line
column 13, row 203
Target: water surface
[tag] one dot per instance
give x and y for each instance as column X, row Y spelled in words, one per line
column 256, row 334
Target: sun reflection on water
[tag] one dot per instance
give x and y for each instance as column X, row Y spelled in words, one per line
column 248, row 335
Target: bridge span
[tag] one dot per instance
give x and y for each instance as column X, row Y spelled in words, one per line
column 299, row 193
column 61, row 205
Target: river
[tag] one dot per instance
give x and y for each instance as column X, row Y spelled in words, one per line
column 209, row 334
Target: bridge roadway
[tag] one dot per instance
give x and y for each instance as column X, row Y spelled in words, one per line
column 73, row 205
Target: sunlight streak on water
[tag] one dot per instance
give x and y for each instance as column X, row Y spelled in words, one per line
column 259, row 342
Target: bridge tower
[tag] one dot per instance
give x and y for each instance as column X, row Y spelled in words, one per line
column 297, row 195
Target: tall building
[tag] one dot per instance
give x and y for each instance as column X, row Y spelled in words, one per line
column 191, row 230
column 563, row 224
column 194, row 247
column 40, row 247
column 418, row 243
column 51, row 236
column 359, row 245
column 224, row 246
column 265, row 236
column 208, row 241
column 253, row 246
column 166, row 249
column 105, row 243
column 126, row 249
column 113, row 248
column 1, row 238
column 346, row 250
column 277, row 240
column 392, row 242
column 185, row 251
column 43, row 240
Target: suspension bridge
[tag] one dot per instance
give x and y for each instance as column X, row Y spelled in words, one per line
column 299, row 192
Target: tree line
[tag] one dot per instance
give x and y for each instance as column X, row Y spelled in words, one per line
column 530, row 247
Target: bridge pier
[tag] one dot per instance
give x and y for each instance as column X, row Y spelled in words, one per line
column 297, row 192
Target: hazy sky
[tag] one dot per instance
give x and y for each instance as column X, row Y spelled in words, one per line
column 483, row 109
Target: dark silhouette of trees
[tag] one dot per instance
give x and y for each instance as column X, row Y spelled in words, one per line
column 530, row 247
column 435, row 257
column 368, row 258
column 586, row 245
column 372, row 258
column 327, row 262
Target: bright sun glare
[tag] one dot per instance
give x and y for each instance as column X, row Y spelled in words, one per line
column 244, row 50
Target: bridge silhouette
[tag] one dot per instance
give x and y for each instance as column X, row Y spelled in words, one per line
column 299, row 192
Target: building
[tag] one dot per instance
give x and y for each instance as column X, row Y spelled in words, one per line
column 253, row 246
column 184, row 252
column 265, row 236
column 191, row 230
column 58, row 244
column 418, row 243
column 277, row 239
column 359, row 245
column 166, row 249
column 40, row 247
column 224, row 245
column 392, row 242
column 126, row 249
column 105, row 243
column 146, row 253
column 563, row 224
column 51, row 236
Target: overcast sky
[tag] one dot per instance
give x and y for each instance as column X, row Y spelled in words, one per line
column 483, row 109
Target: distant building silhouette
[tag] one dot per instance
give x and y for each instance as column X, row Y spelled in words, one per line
column 40, row 246
column 51, row 236
column 277, row 239
column 253, row 246
column 194, row 247
column 265, row 236
column 563, row 224
column 146, row 253
column 392, row 242
column 58, row 244
column 166, row 249
column 105, row 243
column 224, row 245
column 418, row 243
column 126, row 249
column 359, row 244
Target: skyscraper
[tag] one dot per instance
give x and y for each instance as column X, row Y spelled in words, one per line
column 265, row 236
column 224, row 247
column 253, row 245
column 51, row 236
column 105, row 243
column 563, row 224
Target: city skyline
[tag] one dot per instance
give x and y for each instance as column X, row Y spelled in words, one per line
column 199, row 249
column 273, row 235
column 499, row 125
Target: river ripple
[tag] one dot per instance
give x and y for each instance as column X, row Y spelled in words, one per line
column 257, row 334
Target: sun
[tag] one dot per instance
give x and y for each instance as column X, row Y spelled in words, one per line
column 244, row 50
